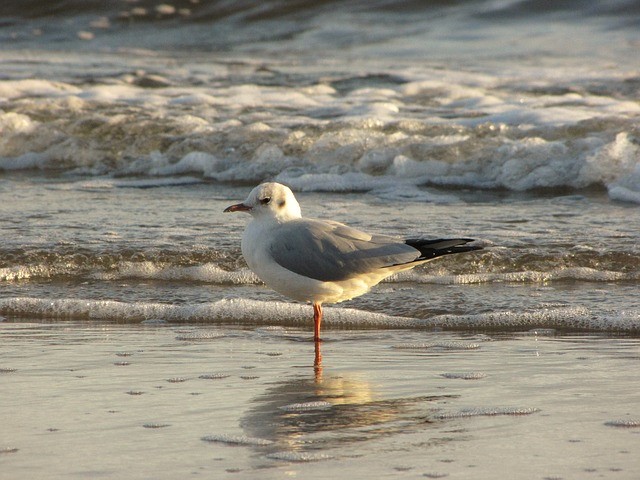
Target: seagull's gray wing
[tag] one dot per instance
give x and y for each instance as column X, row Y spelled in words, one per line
column 330, row 251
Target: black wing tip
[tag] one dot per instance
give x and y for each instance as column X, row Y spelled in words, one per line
column 435, row 242
column 442, row 246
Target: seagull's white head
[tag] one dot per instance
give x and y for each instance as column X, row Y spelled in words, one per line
column 270, row 200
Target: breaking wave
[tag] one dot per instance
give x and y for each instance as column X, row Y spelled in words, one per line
column 227, row 267
column 254, row 312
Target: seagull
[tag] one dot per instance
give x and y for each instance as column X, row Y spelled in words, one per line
column 322, row 261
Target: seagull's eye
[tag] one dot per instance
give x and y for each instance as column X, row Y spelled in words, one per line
column 265, row 200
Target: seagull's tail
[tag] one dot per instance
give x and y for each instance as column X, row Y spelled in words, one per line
column 430, row 249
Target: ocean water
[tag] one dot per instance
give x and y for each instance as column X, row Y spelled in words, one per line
column 126, row 128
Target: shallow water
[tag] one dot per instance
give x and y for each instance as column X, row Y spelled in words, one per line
column 163, row 401
column 168, row 252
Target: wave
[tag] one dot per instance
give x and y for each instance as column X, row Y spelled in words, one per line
column 468, row 138
column 249, row 94
column 253, row 312
column 221, row 267
column 573, row 318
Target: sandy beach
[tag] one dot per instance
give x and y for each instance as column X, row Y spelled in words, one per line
column 168, row 401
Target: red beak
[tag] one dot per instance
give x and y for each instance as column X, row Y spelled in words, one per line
column 240, row 207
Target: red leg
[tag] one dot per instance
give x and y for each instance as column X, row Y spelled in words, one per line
column 317, row 321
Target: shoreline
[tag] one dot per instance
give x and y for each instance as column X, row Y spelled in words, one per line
column 181, row 397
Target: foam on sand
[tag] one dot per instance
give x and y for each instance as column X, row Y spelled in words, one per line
column 306, row 407
column 298, row 457
column 237, row 440
column 489, row 412
column 624, row 423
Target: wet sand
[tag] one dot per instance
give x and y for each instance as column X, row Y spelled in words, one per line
column 87, row 400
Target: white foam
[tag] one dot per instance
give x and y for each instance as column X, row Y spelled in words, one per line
column 626, row 188
column 617, row 166
column 26, row 272
column 110, row 183
column 177, row 380
column 373, row 143
column 540, row 332
column 193, row 162
column 306, row 407
column 435, row 475
column 465, row 375
column 13, row 89
column 301, row 457
column 222, row 311
column 214, row 376
column 208, row 272
column 256, row 312
column 528, row 276
column 12, row 123
column 624, row 423
column 237, row 440
column 438, row 346
column 196, row 99
column 489, row 412
column 200, row 335
column 579, row 318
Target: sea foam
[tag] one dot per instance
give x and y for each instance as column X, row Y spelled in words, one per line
column 223, row 311
column 208, row 272
column 255, row 312
column 440, row 128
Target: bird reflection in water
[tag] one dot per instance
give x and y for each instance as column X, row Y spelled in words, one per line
column 325, row 411
column 317, row 363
